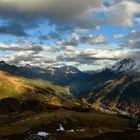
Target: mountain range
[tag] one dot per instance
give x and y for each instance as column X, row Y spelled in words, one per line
column 115, row 88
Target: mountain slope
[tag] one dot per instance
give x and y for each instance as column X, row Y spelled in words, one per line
column 63, row 76
column 120, row 90
column 124, row 66
column 16, row 86
column 116, row 87
column 20, row 94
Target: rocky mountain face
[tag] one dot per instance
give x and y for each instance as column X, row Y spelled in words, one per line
column 122, row 93
column 124, row 66
column 114, row 88
column 120, row 90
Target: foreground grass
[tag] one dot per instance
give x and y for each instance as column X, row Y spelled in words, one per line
column 21, row 123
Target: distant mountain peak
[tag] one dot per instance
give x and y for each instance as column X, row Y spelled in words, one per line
column 124, row 66
column 28, row 65
column 2, row 63
column 68, row 68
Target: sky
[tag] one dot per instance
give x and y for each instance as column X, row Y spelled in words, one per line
column 88, row 34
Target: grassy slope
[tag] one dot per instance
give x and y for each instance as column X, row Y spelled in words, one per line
column 46, row 93
column 11, row 86
column 29, row 120
column 16, row 87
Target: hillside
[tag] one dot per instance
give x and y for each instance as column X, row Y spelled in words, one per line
column 77, row 81
column 11, row 86
column 113, row 88
column 121, row 90
column 29, row 106
column 20, row 94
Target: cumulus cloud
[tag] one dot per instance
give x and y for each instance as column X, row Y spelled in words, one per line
column 21, row 57
column 122, row 13
column 65, row 17
column 72, row 42
column 68, row 55
column 94, row 39
column 133, row 44
column 84, row 39
column 92, row 56
column 131, row 40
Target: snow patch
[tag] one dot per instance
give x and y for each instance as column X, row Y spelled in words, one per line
column 125, row 65
column 100, row 131
column 71, row 131
column 44, row 134
column 61, row 128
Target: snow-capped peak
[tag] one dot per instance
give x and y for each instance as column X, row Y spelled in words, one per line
column 2, row 63
column 124, row 66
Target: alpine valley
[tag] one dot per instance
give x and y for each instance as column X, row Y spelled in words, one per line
column 34, row 100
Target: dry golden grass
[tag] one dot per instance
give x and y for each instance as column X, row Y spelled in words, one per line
column 12, row 86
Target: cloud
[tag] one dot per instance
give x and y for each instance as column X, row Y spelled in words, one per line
column 118, row 36
column 21, row 57
column 11, row 30
column 61, row 18
column 65, row 14
column 51, row 35
column 131, row 40
column 57, row 11
column 35, row 48
column 18, row 25
column 135, row 55
column 34, row 59
column 64, row 55
column 73, row 41
column 134, row 34
column 93, row 39
column 122, row 13
column 133, row 44
column 84, row 39
column 92, row 56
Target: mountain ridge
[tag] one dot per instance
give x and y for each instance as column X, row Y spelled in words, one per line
column 115, row 87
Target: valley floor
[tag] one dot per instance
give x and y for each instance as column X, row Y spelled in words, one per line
column 63, row 125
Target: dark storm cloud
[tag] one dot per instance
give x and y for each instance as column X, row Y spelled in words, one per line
column 18, row 26
column 67, row 14
column 56, row 11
